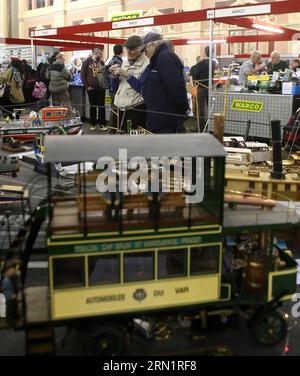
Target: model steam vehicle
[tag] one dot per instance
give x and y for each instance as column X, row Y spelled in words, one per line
column 120, row 259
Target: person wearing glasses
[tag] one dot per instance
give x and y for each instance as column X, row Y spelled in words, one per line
column 253, row 66
column 130, row 102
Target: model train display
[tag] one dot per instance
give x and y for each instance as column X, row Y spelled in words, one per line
column 119, row 257
column 30, row 125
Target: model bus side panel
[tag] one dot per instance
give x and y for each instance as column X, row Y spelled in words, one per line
column 67, row 304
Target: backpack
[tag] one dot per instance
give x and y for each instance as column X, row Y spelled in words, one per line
column 40, row 90
column 103, row 78
column 291, row 132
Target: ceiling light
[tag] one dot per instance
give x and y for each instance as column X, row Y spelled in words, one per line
column 206, row 41
column 268, row 28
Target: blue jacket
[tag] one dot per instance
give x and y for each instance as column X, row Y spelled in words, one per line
column 164, row 90
column 116, row 60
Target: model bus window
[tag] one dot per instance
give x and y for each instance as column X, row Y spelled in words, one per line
column 172, row 264
column 205, row 260
column 104, row 270
column 68, row 273
column 139, row 267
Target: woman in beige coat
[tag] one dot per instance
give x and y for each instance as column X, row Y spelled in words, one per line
column 14, row 78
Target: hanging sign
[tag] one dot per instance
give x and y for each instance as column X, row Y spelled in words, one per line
column 239, row 11
column 133, row 23
column 124, row 16
column 43, row 33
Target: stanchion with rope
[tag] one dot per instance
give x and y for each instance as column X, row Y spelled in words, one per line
column 196, row 105
column 195, row 95
column 220, row 118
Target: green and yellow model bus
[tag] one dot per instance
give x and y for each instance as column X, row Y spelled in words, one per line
column 118, row 257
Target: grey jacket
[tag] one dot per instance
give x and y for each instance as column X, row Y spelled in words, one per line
column 59, row 78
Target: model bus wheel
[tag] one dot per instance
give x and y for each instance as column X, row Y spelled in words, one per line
column 269, row 329
column 105, row 340
column 39, row 148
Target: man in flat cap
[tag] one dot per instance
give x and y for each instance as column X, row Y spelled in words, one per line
column 130, row 102
column 162, row 86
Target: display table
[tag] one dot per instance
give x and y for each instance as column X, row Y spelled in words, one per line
column 260, row 109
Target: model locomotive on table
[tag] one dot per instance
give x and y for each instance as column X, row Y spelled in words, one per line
column 117, row 258
column 34, row 126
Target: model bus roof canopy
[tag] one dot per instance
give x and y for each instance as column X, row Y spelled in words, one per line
column 91, row 148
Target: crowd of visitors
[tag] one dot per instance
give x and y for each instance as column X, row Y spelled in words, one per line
column 147, row 87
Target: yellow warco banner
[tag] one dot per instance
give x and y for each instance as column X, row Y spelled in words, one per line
column 124, row 16
column 247, row 106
